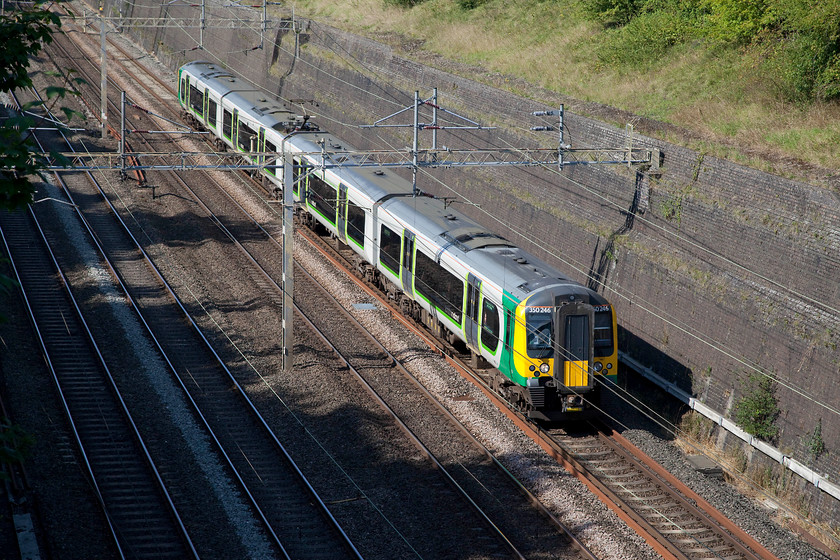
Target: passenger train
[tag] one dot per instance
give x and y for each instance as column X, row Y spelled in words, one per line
column 546, row 341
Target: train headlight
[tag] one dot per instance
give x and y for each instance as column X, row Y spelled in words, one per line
column 544, row 368
column 598, row 366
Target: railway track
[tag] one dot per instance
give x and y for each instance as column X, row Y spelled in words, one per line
column 141, row 516
column 111, row 247
column 373, row 367
column 297, row 521
column 551, row 543
column 659, row 504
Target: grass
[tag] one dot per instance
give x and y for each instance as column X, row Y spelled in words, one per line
column 719, row 95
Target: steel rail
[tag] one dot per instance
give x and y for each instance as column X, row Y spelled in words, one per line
column 742, row 541
column 445, row 411
column 49, row 363
column 659, row 542
column 576, row 542
column 243, row 394
column 403, row 427
column 112, row 383
column 665, row 546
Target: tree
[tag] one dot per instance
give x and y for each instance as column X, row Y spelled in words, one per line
column 23, row 34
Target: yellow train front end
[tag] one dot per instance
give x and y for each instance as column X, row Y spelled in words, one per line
column 563, row 353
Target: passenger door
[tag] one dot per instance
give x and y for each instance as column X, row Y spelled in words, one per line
column 573, row 348
column 407, row 260
column 341, row 224
column 471, row 318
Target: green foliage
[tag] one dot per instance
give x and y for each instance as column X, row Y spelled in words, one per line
column 806, row 67
column 644, row 40
column 470, row 4
column 15, row 444
column 814, row 442
column 795, row 42
column 612, row 13
column 735, row 21
column 757, row 411
column 23, row 34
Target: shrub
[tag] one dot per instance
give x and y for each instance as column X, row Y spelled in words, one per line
column 757, row 411
column 470, row 4
column 736, row 21
column 645, row 39
column 612, row 13
column 814, row 443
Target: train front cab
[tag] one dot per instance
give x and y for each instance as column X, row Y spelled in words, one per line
column 562, row 355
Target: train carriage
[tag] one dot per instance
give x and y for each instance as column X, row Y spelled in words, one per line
column 547, row 342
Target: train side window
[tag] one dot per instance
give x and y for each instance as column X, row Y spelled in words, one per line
column 356, row 223
column 390, row 246
column 438, row 286
column 212, row 110
column 270, row 160
column 196, row 101
column 490, row 326
column 246, row 137
column 227, row 124
column 323, row 197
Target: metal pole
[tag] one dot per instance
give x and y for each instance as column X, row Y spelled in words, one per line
column 288, row 260
column 264, row 23
column 103, row 106
column 122, row 134
column 414, row 145
column 434, row 119
column 201, row 27
column 629, row 129
column 561, row 147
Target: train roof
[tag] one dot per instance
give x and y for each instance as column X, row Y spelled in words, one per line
column 478, row 248
column 375, row 183
column 482, row 250
column 251, row 102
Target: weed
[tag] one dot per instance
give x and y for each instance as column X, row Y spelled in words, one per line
column 696, row 427
column 814, row 442
column 737, row 457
